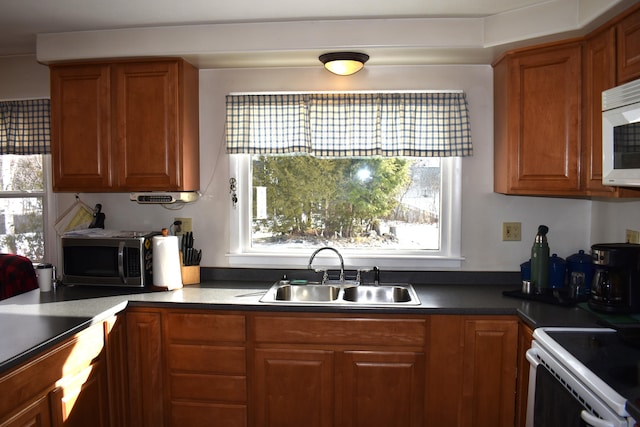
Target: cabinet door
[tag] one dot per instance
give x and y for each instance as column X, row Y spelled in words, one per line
column 81, row 399
column 144, row 347
column 489, row 371
column 81, row 127
column 599, row 75
column 525, row 336
column 629, row 48
column 293, row 388
column 117, row 377
column 537, row 122
column 381, row 388
column 471, row 378
column 35, row 414
column 146, row 105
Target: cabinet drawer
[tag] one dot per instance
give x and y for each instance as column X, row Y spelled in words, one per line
column 332, row 330
column 202, row 327
column 203, row 414
column 225, row 388
column 207, row 359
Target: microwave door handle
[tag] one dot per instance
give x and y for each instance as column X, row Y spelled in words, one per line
column 121, row 262
column 594, row 421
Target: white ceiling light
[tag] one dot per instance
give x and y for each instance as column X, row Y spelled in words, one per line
column 344, row 63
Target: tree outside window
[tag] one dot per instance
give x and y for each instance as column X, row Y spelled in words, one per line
column 383, row 203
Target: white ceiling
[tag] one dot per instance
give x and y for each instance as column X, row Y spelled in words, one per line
column 21, row 20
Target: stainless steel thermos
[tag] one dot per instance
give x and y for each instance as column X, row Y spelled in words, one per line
column 540, row 261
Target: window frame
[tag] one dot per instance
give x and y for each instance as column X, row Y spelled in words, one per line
column 448, row 257
column 47, row 206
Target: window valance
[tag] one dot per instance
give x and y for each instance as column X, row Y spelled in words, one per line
column 423, row 124
column 25, row 127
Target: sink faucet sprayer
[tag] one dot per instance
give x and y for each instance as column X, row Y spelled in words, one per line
column 313, row 255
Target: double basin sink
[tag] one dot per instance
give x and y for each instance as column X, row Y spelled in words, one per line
column 341, row 293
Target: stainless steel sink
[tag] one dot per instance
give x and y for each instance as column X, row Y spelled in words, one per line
column 306, row 293
column 395, row 294
column 378, row 294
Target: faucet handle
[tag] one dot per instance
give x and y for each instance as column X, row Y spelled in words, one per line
column 325, row 273
column 359, row 272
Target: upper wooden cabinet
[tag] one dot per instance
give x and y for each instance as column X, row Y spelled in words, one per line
column 628, row 47
column 125, row 126
column 548, row 111
column 537, row 99
column 599, row 75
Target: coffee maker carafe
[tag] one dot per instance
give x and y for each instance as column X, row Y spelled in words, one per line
column 616, row 280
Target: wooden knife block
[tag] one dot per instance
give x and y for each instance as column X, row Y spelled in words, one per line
column 190, row 273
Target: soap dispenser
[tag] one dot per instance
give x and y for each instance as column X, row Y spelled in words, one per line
column 540, row 261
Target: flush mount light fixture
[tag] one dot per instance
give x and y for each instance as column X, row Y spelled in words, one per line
column 344, row 63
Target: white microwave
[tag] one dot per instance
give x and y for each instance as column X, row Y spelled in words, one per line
column 621, row 135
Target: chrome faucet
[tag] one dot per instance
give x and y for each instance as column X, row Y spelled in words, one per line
column 313, row 255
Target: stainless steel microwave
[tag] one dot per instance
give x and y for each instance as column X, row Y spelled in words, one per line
column 108, row 258
column 621, row 135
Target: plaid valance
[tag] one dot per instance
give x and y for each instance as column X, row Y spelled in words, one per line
column 25, row 127
column 423, row 124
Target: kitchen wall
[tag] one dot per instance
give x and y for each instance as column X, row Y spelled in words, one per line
column 574, row 223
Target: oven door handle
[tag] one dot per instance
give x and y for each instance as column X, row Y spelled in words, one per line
column 531, row 357
column 594, row 421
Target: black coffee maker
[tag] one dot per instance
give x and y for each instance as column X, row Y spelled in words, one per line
column 616, row 280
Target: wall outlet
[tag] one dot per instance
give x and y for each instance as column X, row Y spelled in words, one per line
column 632, row 236
column 511, row 231
column 185, row 227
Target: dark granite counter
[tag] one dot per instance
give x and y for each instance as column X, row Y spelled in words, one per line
column 35, row 321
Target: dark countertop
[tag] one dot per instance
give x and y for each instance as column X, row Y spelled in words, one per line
column 35, row 321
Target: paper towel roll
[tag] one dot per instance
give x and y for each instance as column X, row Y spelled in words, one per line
column 166, row 262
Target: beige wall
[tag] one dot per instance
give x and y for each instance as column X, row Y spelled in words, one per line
column 574, row 224
column 21, row 77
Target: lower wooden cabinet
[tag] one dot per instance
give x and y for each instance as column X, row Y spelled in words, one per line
column 66, row 386
column 293, row 387
column 338, row 370
column 271, row 369
column 525, row 337
column 36, row 413
column 145, row 367
column 115, row 333
column 385, row 388
column 206, row 368
column 186, row 368
column 81, row 399
column 176, row 367
column 471, row 376
column 319, row 388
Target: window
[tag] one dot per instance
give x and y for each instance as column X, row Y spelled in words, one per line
column 24, row 143
column 22, row 201
column 337, row 174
